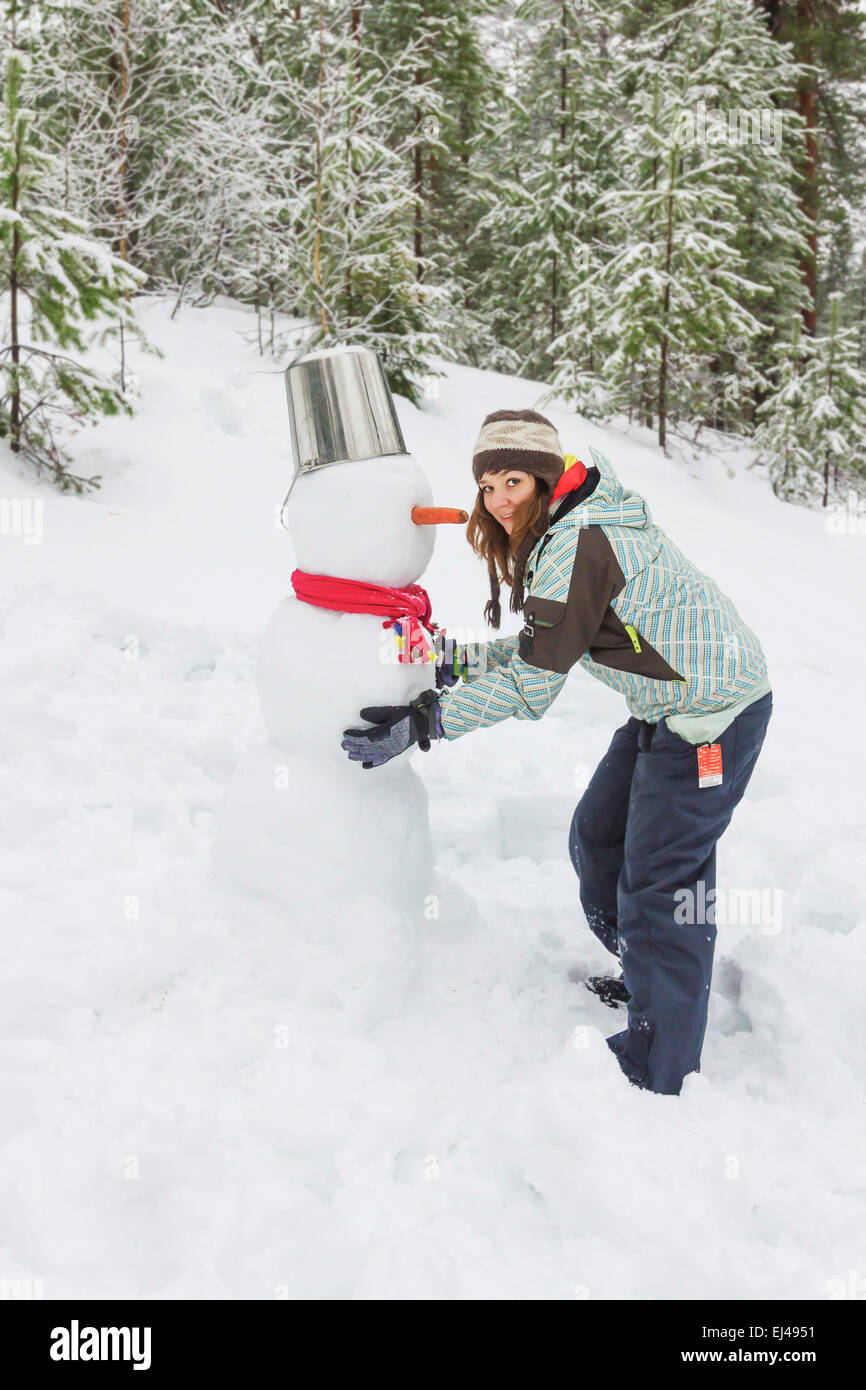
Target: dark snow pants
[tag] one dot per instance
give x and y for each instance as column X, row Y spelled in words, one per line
column 643, row 832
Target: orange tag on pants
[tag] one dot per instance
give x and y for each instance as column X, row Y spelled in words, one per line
column 710, row 765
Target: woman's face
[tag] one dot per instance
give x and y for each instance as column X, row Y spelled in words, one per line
column 504, row 492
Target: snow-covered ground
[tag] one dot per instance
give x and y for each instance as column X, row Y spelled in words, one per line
column 183, row 1114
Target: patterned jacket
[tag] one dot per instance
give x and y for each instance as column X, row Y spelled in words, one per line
column 607, row 590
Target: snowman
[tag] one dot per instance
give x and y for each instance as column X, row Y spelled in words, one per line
column 334, row 850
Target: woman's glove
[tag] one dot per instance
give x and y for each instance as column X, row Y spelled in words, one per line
column 450, row 661
column 396, row 728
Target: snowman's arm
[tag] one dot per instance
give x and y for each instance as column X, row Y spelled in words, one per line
column 517, row 689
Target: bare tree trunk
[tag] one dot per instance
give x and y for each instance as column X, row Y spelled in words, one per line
column 563, row 136
column 418, row 183
column 464, row 159
column 350, row 132
column 123, row 137
column 15, row 345
column 834, row 327
column 806, row 104
column 119, row 64
column 666, row 307
column 317, row 271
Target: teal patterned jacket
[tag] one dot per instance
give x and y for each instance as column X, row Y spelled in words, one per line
column 606, row 589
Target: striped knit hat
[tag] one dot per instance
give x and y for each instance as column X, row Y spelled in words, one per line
column 518, row 439
column 526, row 440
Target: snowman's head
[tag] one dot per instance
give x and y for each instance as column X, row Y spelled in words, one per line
column 354, row 520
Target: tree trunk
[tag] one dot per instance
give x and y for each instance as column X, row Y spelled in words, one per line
column 563, row 76
column 418, row 183
column 666, row 305
column 560, row 163
column 350, row 158
column 794, row 22
column 317, row 271
column 15, row 345
column 806, row 105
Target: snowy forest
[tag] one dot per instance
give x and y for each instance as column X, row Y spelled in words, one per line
column 314, row 873
column 655, row 207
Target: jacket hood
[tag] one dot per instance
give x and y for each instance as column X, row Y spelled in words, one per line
column 609, row 504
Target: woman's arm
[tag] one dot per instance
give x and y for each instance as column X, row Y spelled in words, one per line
column 489, row 656
column 499, row 683
column 570, row 594
column 513, row 689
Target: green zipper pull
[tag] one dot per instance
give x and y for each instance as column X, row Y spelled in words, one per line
column 633, row 635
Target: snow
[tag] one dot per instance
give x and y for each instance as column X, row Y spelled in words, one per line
column 202, row 1095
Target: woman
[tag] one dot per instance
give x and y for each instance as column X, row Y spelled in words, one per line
column 601, row 586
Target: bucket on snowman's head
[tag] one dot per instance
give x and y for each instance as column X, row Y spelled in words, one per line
column 340, row 410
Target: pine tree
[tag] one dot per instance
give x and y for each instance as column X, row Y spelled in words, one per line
column 448, row 149
column 353, row 199
column 59, row 281
column 544, row 177
column 672, row 305
column 828, row 40
column 812, row 428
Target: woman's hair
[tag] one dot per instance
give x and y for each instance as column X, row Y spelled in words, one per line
column 506, row 555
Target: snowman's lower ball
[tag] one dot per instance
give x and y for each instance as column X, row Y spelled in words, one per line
column 311, row 838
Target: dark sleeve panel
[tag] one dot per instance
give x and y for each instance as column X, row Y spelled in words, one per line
column 555, row 634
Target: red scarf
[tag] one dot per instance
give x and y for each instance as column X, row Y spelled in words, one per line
column 410, row 607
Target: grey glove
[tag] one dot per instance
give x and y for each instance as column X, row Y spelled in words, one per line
column 395, row 729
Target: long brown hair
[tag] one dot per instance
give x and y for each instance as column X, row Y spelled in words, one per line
column 506, row 555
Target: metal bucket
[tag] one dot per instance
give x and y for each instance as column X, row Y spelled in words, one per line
column 340, row 410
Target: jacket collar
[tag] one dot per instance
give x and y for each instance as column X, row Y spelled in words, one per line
column 576, row 493
column 572, row 477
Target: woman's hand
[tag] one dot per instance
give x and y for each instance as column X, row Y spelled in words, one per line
column 395, row 729
column 450, row 661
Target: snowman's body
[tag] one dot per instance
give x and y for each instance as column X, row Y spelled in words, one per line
column 301, row 824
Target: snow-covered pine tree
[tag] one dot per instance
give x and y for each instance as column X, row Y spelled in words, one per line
column 160, row 135
column 828, row 38
column 276, row 66
column 812, row 428
column 88, row 95
column 57, row 282
column 352, row 245
column 779, row 441
column 203, row 156
column 71, row 92
column 448, row 158
column 227, row 230
column 672, row 297
column 544, row 175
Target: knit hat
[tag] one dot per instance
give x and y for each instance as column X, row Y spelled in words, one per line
column 518, row 439
column 526, row 440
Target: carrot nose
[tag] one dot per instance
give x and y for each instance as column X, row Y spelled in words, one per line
column 432, row 516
